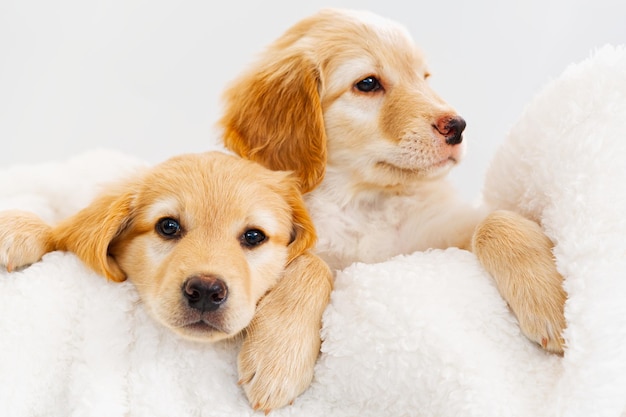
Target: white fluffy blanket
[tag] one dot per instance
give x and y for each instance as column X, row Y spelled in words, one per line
column 420, row 335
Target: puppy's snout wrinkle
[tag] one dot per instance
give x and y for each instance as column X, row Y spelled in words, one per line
column 451, row 128
column 205, row 292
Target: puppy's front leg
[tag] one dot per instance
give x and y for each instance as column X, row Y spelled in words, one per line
column 24, row 239
column 282, row 342
column 516, row 252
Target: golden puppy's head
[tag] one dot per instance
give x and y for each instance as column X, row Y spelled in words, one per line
column 347, row 90
column 203, row 238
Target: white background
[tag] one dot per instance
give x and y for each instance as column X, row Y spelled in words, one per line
column 145, row 77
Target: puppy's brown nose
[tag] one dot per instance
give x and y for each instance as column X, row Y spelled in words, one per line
column 205, row 293
column 452, row 129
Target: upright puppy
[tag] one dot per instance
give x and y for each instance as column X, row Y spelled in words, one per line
column 342, row 99
column 216, row 246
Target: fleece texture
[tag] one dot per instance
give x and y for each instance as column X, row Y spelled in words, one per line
column 425, row 334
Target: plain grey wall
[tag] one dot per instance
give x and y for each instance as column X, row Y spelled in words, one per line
column 145, row 76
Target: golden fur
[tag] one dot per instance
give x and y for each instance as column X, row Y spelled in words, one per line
column 188, row 234
column 342, row 99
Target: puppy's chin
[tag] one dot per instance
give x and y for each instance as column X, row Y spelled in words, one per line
column 434, row 170
column 203, row 332
column 207, row 327
column 412, row 161
column 389, row 175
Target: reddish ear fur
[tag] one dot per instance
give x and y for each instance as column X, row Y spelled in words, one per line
column 90, row 232
column 274, row 116
column 304, row 235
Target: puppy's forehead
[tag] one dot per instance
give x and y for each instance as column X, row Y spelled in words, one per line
column 215, row 186
column 228, row 217
column 381, row 25
column 360, row 43
column 162, row 206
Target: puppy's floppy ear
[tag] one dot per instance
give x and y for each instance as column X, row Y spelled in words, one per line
column 90, row 232
column 273, row 115
column 303, row 235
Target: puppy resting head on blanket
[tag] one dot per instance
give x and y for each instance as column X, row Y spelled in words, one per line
column 204, row 238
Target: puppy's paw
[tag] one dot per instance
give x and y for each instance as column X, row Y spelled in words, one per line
column 276, row 364
column 24, row 239
column 282, row 343
column 518, row 255
column 540, row 314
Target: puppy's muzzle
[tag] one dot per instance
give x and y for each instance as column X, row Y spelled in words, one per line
column 205, row 293
column 451, row 128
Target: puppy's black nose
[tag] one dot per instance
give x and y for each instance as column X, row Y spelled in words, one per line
column 205, row 293
column 452, row 129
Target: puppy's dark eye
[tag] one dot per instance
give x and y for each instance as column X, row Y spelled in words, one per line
column 252, row 237
column 168, row 228
column 368, row 85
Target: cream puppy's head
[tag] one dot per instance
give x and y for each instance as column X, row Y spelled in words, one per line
column 207, row 237
column 347, row 90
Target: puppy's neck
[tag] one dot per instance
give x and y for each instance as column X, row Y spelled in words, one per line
column 361, row 222
column 344, row 188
